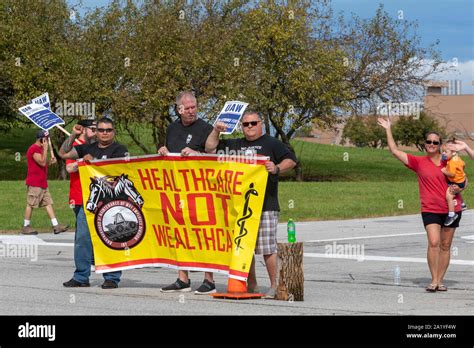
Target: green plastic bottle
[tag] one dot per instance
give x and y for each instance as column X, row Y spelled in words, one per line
column 291, row 228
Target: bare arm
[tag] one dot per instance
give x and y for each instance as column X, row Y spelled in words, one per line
column 286, row 165
column 67, row 150
column 461, row 145
column 447, row 173
column 470, row 152
column 283, row 167
column 72, row 167
column 52, row 160
column 41, row 159
column 213, row 139
column 72, row 154
column 163, row 151
column 402, row 156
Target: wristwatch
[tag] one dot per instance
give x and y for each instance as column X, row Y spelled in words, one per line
column 277, row 170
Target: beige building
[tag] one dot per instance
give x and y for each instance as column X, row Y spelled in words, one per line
column 454, row 111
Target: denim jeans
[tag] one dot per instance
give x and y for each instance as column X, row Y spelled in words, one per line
column 83, row 254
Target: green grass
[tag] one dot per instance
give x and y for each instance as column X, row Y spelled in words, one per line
column 338, row 163
column 13, row 147
column 13, row 203
column 348, row 183
column 300, row 201
column 320, row 162
column 346, row 200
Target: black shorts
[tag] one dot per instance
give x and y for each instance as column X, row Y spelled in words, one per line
column 435, row 218
column 461, row 185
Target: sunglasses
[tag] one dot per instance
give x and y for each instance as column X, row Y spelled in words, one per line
column 105, row 130
column 251, row 123
column 429, row 142
column 92, row 128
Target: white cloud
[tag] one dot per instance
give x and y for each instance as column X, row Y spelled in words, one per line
column 463, row 71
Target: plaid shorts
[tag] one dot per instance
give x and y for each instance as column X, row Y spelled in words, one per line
column 267, row 233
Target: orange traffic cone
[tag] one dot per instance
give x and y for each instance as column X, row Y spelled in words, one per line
column 237, row 289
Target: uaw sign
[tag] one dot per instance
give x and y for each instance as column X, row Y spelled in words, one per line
column 191, row 213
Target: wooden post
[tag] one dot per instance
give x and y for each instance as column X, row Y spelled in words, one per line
column 290, row 272
column 50, row 147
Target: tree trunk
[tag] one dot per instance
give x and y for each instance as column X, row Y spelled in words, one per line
column 266, row 121
column 298, row 171
column 290, row 271
column 63, row 175
column 135, row 139
column 57, row 138
column 299, row 166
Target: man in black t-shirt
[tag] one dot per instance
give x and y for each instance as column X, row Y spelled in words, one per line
column 105, row 147
column 281, row 160
column 187, row 136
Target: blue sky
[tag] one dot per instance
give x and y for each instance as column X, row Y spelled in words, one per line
column 450, row 21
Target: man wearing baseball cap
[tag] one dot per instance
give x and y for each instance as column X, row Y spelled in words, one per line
column 37, row 185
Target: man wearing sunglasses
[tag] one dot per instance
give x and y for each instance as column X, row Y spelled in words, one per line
column 187, row 136
column 105, row 147
column 281, row 160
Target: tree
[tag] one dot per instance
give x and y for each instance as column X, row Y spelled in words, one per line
column 412, row 131
column 364, row 132
column 287, row 59
column 384, row 60
column 36, row 56
column 148, row 53
column 287, row 73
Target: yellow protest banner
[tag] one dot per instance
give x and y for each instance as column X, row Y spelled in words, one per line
column 191, row 213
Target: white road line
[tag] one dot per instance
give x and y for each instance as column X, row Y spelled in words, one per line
column 384, row 258
column 57, row 244
column 17, row 240
column 366, row 237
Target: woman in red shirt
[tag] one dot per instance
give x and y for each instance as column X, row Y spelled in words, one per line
column 434, row 208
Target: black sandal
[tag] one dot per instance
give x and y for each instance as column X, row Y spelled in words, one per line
column 432, row 288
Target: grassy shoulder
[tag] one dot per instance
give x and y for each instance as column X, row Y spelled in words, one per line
column 300, row 201
column 347, row 183
column 346, row 200
column 320, row 162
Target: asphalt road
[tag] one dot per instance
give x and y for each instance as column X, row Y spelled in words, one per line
column 365, row 284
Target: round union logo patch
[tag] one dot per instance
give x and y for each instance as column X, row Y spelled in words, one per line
column 120, row 224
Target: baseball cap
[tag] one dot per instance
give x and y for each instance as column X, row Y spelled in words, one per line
column 41, row 134
column 87, row 123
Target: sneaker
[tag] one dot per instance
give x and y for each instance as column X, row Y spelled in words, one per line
column 109, row 284
column 450, row 219
column 270, row 293
column 177, row 286
column 206, row 287
column 28, row 231
column 75, row 284
column 463, row 206
column 60, row 228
